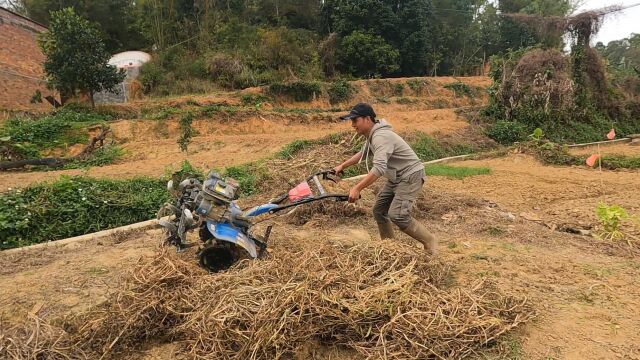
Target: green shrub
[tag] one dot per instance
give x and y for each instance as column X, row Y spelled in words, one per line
column 616, row 161
column 355, row 170
column 76, row 206
column 209, row 110
column 44, row 133
column 186, row 170
column 427, row 148
column 398, row 88
column 417, row 85
column 24, row 138
column 254, row 99
column 293, row 148
column 103, row 156
column 226, row 70
column 298, row 90
column 507, row 132
column 367, row 55
column 248, row 176
column 611, row 218
column 340, row 91
column 15, row 151
column 459, row 89
column 162, row 113
column 151, row 76
column 195, row 69
column 186, row 131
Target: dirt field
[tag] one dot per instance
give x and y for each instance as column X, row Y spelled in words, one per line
column 526, row 227
column 584, row 291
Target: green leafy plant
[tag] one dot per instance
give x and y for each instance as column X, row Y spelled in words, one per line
column 340, row 91
column 36, row 98
column 507, row 132
column 228, row 110
column 398, row 88
column 367, row 55
column 186, row 131
column 459, row 89
column 611, row 218
column 74, row 206
column 455, row 172
column 417, row 85
column 186, row 170
column 292, row 148
column 297, row 90
column 427, row 148
column 254, row 99
column 536, row 135
column 68, row 126
column 103, row 156
column 248, row 176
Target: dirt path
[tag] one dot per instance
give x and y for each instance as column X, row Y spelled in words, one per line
column 221, row 143
column 585, row 292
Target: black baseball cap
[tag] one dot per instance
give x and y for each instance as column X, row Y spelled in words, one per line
column 361, row 109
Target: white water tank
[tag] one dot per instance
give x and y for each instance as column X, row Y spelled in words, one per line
column 131, row 61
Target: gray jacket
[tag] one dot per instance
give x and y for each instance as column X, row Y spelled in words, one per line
column 392, row 157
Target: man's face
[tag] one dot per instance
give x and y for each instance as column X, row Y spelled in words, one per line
column 361, row 125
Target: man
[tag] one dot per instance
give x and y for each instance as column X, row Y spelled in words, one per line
column 393, row 159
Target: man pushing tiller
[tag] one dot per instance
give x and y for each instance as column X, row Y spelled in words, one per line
column 227, row 231
column 393, row 159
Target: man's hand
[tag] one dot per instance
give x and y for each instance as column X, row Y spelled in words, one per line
column 354, row 194
column 339, row 170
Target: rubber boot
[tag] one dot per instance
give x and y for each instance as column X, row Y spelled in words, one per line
column 419, row 232
column 386, row 230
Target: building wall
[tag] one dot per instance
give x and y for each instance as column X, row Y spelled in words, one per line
column 21, row 63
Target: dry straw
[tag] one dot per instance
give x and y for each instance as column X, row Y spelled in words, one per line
column 377, row 299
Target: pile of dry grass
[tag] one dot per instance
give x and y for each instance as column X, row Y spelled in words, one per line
column 37, row 340
column 376, row 299
column 327, row 212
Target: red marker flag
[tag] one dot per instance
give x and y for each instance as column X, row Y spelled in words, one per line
column 611, row 135
column 591, row 160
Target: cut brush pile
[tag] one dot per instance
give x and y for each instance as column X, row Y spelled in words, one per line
column 376, row 299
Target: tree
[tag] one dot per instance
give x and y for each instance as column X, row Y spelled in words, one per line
column 119, row 20
column 416, row 33
column 453, row 34
column 14, row 5
column 623, row 54
column 368, row 55
column 371, row 16
column 76, row 59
